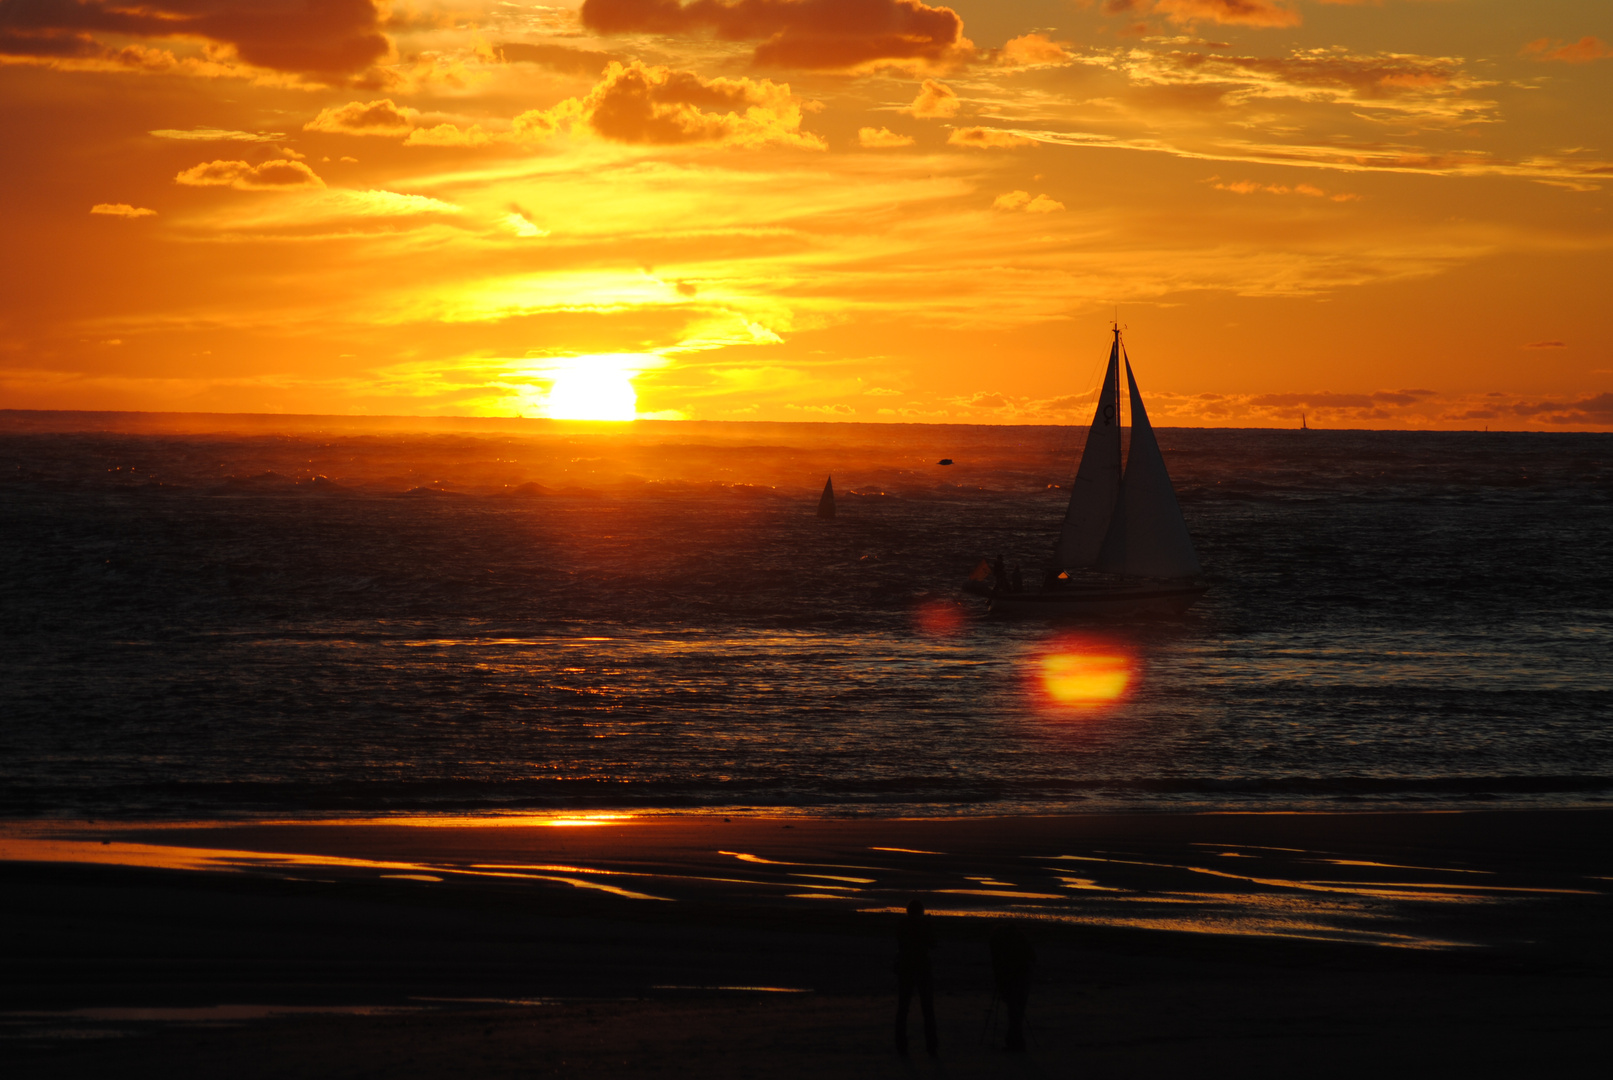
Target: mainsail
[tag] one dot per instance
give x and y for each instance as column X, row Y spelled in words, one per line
column 826, row 502
column 1147, row 537
column 1097, row 481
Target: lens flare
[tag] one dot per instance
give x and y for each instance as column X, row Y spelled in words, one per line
column 938, row 618
column 1086, row 675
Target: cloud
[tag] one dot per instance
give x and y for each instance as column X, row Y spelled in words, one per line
column 365, row 118
column 985, row 138
column 881, row 138
column 815, row 35
column 1547, row 345
column 934, row 100
column 206, row 134
column 517, row 223
column 561, row 58
column 1226, row 12
column 122, row 210
column 1249, row 187
column 1582, row 51
column 637, row 103
column 1570, row 172
column 311, row 37
column 448, row 135
column 275, row 175
column 1021, row 200
column 1596, row 410
column 1390, row 86
column 1034, row 50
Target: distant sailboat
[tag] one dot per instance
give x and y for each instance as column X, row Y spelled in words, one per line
column 1124, row 546
column 826, row 504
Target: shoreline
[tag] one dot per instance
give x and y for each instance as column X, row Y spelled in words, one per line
column 1253, row 944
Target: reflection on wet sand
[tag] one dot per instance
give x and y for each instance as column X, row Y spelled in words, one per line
column 1277, row 892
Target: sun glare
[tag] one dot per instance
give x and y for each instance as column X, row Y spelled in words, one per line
column 592, row 388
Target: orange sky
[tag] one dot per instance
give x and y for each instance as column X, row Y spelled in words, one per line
column 1384, row 214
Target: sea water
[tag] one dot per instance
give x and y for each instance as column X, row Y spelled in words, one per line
column 332, row 620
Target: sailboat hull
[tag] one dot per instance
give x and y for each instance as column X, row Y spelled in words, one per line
column 1099, row 601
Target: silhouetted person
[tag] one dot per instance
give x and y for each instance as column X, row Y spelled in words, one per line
column 914, row 940
column 1011, row 961
column 1000, row 573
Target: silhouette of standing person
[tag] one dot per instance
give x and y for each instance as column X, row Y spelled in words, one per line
column 914, row 940
column 1011, row 961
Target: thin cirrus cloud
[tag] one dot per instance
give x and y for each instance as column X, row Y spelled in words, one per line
column 1398, row 87
column 211, row 134
column 332, row 37
column 274, row 175
column 813, row 35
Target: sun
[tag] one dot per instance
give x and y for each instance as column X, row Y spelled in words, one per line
column 592, row 388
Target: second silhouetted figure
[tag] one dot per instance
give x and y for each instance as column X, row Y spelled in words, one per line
column 914, row 940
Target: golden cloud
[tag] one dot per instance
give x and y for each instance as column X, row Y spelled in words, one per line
column 815, row 35
column 1033, row 50
column 880, row 138
column 934, row 100
column 984, row 138
column 275, row 175
column 365, row 118
column 122, row 210
column 1021, row 200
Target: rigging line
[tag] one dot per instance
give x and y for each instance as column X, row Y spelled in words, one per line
column 1062, row 464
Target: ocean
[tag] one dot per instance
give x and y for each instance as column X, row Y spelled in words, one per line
column 338, row 620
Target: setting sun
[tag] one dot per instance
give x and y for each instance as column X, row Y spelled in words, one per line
column 592, row 388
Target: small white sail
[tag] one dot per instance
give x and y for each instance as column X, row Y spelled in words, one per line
column 1148, row 537
column 1097, row 481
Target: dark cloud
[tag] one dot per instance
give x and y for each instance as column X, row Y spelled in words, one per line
column 819, row 35
column 561, row 58
column 1591, row 410
column 320, row 37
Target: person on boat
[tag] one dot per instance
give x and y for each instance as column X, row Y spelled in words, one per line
column 1012, row 959
column 999, row 574
column 914, row 940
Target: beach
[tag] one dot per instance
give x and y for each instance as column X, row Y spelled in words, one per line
column 751, row 945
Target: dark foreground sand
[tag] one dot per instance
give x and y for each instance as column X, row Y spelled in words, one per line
column 1388, row 944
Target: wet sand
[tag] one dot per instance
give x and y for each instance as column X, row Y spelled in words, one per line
column 699, row 945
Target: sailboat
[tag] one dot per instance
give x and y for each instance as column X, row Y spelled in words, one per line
column 1124, row 547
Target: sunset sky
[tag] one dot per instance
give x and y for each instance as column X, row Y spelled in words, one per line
column 1384, row 214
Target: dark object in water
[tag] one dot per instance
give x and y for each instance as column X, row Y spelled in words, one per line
column 944, row 461
column 826, row 505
